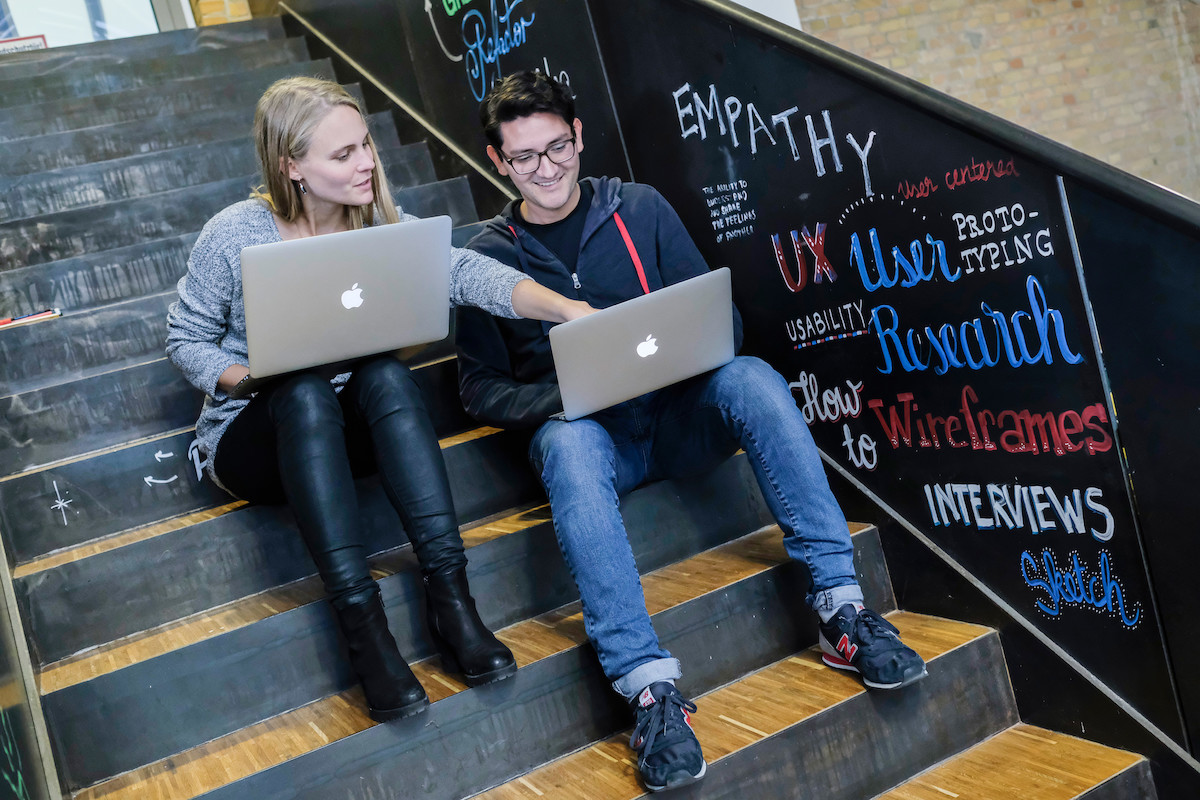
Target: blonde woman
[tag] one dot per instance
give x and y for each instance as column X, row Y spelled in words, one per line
column 303, row 439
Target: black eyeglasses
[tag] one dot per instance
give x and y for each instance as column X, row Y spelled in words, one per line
column 558, row 153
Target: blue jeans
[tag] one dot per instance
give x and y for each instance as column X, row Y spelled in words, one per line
column 588, row 464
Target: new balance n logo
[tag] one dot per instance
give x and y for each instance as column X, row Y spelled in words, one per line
column 845, row 647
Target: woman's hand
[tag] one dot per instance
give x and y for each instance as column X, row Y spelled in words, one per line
column 574, row 309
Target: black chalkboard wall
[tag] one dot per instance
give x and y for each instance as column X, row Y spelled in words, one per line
column 916, row 285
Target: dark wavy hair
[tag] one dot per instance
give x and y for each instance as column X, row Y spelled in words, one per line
column 522, row 94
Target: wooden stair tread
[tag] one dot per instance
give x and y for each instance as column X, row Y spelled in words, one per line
column 1023, row 761
column 731, row 718
column 240, row 613
column 125, row 538
column 280, row 738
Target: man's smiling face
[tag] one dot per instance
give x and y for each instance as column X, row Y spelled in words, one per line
column 551, row 191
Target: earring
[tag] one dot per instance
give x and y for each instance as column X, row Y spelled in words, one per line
column 302, row 189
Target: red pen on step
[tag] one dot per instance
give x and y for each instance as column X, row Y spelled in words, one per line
column 34, row 317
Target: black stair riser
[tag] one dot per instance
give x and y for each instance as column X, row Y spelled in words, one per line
column 96, row 279
column 137, row 176
column 139, row 121
column 451, row 197
column 188, row 40
column 871, row 742
column 74, row 606
column 1135, row 783
column 112, row 225
column 158, row 72
column 189, row 100
column 465, row 233
column 74, row 346
column 127, row 222
column 482, row 737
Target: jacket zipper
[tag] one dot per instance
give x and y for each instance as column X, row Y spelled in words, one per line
column 575, row 280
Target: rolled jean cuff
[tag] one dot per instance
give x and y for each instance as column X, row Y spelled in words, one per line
column 661, row 669
column 831, row 600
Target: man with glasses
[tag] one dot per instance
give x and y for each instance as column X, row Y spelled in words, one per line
column 589, row 239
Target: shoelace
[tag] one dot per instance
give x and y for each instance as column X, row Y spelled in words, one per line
column 875, row 626
column 660, row 719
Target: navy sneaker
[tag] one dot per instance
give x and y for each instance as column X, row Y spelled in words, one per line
column 864, row 642
column 668, row 752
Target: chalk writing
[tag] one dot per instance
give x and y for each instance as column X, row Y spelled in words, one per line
column 860, row 451
column 12, row 770
column 980, row 171
column 848, row 318
column 830, row 405
column 987, row 255
column 729, row 209
column 452, row 7
column 1072, row 585
column 1018, row 507
column 1010, row 431
column 834, row 337
column 489, row 38
column 151, row 481
column 1011, row 341
column 61, row 503
column 199, row 462
column 925, row 188
column 697, row 114
column 562, row 77
column 822, row 269
column 912, row 266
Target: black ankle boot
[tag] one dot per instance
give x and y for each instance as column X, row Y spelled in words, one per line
column 391, row 689
column 466, row 646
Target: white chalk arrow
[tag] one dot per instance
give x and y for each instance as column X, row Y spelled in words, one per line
column 441, row 44
column 160, row 455
column 151, row 481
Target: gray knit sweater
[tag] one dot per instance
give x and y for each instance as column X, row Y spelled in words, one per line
column 206, row 327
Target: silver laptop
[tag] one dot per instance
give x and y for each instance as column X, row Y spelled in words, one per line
column 326, row 300
column 644, row 344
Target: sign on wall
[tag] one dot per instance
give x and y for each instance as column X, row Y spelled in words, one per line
column 21, row 44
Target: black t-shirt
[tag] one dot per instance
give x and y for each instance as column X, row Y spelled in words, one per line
column 563, row 237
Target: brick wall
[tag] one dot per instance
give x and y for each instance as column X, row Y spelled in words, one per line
column 216, row 12
column 1119, row 81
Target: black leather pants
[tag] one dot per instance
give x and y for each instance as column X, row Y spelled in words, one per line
column 300, row 442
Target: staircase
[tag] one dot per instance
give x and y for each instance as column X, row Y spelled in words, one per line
column 179, row 637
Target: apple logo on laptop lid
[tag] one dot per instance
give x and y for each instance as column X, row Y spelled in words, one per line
column 647, row 348
column 352, row 297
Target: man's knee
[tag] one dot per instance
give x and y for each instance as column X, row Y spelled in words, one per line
column 579, row 451
column 749, row 382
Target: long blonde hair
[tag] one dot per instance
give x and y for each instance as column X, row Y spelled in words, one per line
column 284, row 120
